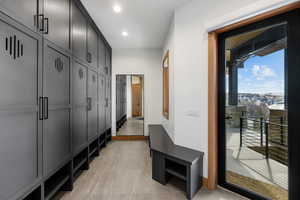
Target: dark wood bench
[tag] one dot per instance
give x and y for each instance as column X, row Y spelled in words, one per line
column 170, row 160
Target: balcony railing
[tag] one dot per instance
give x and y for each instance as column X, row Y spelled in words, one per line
column 265, row 136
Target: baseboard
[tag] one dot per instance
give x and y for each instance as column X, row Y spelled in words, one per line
column 205, row 182
column 129, row 137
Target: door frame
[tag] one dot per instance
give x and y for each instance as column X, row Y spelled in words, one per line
column 142, row 137
column 214, row 93
column 142, row 95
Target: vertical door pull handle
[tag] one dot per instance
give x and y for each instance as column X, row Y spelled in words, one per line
column 41, row 107
column 89, row 103
column 46, row 24
column 39, row 22
column 46, row 108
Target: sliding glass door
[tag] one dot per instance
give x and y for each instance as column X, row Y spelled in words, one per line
column 258, row 100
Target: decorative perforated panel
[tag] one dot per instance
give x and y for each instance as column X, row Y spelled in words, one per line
column 14, row 47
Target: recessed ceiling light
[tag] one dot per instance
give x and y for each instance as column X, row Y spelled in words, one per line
column 117, row 8
column 125, row 33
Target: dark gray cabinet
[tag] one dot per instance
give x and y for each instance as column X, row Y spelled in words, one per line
column 25, row 11
column 121, row 93
column 102, row 103
column 57, row 22
column 56, row 124
column 79, row 80
column 79, row 33
column 108, row 61
column 55, row 99
column 108, row 103
column 92, row 104
column 20, row 87
column 118, row 83
column 92, row 46
column 101, row 58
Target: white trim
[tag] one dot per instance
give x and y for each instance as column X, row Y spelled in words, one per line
column 253, row 14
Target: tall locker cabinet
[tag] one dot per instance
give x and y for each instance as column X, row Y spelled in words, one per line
column 92, row 105
column 108, row 88
column 92, row 46
column 57, row 22
column 117, row 98
column 56, row 126
column 102, row 104
column 56, row 96
column 20, row 86
column 101, row 58
column 108, row 104
column 79, row 80
column 79, row 33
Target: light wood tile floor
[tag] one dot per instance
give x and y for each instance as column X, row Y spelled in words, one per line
column 123, row 172
column 132, row 126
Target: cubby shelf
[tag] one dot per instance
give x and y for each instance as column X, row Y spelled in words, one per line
column 176, row 174
column 77, row 167
column 92, row 152
column 53, row 186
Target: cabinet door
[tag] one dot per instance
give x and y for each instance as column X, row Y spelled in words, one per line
column 56, row 125
column 108, row 104
column 92, row 54
column 19, row 125
column 118, row 99
column 80, row 136
column 108, row 61
column 79, row 33
column 102, row 56
column 102, row 103
column 24, row 11
column 58, row 25
column 92, row 107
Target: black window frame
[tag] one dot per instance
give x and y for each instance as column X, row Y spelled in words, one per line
column 292, row 19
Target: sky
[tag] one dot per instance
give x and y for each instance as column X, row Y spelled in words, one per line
column 262, row 75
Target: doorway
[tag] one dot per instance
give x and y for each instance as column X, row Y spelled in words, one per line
column 130, row 105
column 258, row 109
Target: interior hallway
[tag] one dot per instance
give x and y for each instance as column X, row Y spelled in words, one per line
column 126, row 175
column 133, row 126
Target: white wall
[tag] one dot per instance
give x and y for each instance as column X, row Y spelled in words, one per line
column 187, row 41
column 148, row 63
column 129, row 97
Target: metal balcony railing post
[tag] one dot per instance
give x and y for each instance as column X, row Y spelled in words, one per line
column 241, row 131
column 261, row 131
column 267, row 139
column 281, row 130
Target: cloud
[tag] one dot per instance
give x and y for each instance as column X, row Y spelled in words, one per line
column 273, row 86
column 262, row 72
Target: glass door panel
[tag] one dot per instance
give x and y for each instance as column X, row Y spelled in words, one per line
column 256, row 119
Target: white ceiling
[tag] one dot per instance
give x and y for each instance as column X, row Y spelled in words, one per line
column 146, row 21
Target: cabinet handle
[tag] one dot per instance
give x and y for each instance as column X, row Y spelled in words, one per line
column 89, row 102
column 89, row 57
column 41, row 107
column 39, row 22
column 46, row 23
column 46, row 107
